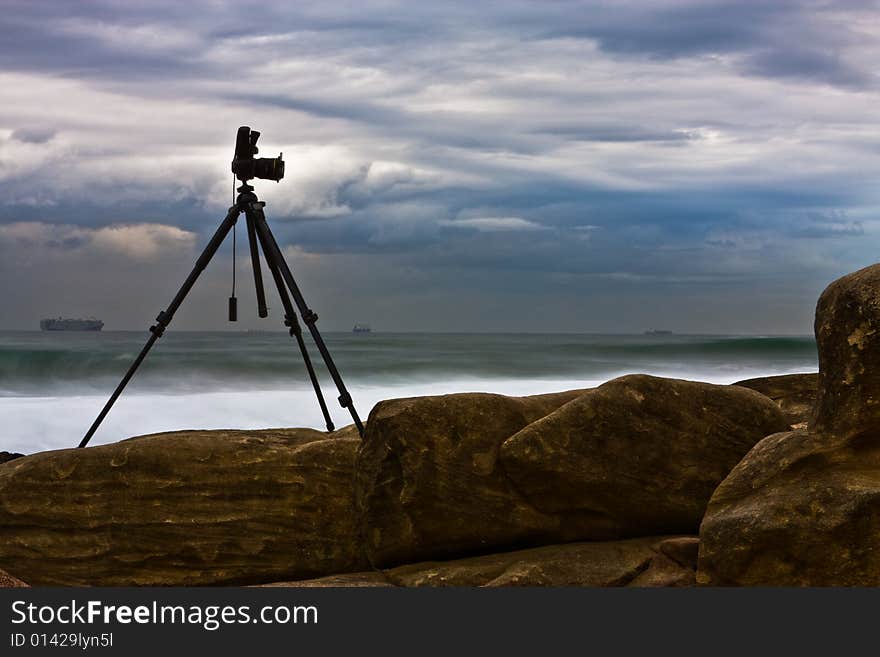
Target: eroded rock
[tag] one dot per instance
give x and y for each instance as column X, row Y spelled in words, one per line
column 440, row 477
column 7, row 581
column 429, row 483
column 640, row 455
column 634, row 562
column 848, row 338
column 795, row 394
column 803, row 507
column 183, row 508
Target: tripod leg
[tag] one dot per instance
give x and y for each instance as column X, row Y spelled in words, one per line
column 295, row 330
column 165, row 316
column 254, row 208
column 262, row 311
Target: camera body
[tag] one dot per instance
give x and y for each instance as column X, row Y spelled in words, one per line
column 245, row 166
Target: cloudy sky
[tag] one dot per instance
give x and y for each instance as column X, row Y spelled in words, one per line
column 695, row 165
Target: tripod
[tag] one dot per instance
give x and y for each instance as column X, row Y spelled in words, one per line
column 260, row 235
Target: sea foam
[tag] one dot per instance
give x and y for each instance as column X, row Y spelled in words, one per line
column 32, row 424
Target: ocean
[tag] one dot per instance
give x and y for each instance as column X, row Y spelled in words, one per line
column 52, row 385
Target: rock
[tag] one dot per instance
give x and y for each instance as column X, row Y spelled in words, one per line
column 358, row 580
column 795, row 394
column 9, row 456
column 429, row 483
column 674, row 565
column 183, row 508
column 848, row 338
column 7, row 581
column 803, row 507
column 663, row 572
column 640, row 455
column 683, row 550
column 633, row 562
column 441, row 477
column 611, row 563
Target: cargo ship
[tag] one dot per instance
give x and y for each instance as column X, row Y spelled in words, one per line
column 361, row 328
column 63, row 324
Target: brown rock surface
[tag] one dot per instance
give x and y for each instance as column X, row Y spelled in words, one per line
column 633, row 562
column 674, row 565
column 640, row 455
column 803, row 507
column 795, row 394
column 683, row 550
column 182, row 508
column 848, row 338
column 663, row 572
column 7, row 581
column 608, row 563
column 356, row 580
column 428, row 480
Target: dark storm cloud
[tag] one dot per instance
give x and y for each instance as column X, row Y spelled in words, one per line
column 33, row 135
column 64, row 38
column 678, row 30
column 614, row 134
column 775, row 39
column 616, row 152
column 798, row 62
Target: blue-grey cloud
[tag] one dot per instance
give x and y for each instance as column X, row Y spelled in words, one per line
column 570, row 152
column 33, row 135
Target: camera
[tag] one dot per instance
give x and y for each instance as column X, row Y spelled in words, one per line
column 245, row 166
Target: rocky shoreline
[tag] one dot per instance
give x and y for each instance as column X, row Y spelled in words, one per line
column 642, row 481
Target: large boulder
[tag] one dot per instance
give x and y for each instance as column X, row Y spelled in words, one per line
column 803, row 507
column 650, row 561
column 429, row 483
column 640, row 455
column 795, row 394
column 848, row 338
column 183, row 508
column 440, row 477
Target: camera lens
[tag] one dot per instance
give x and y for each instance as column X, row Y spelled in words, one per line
column 269, row 168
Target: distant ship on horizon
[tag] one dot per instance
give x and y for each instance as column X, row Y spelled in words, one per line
column 361, row 328
column 65, row 324
column 658, row 332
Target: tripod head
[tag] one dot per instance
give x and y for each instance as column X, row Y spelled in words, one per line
column 245, row 166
